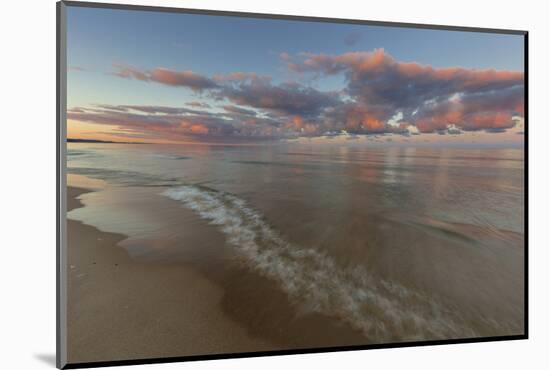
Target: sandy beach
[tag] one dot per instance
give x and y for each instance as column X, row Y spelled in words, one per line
column 299, row 188
column 177, row 251
column 123, row 309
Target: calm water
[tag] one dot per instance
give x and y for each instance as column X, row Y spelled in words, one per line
column 325, row 245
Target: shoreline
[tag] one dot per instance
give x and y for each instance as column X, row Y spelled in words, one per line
column 204, row 285
column 119, row 308
column 251, row 300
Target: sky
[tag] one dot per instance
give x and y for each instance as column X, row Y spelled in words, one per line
column 160, row 77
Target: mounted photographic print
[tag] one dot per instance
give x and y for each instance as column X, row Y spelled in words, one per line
column 235, row 184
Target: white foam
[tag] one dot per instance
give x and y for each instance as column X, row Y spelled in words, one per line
column 315, row 282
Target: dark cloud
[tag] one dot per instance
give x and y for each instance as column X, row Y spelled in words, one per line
column 377, row 89
column 123, row 119
column 169, row 77
column 242, row 88
column 130, row 72
column 495, row 130
column 284, row 99
column 428, row 97
column 239, row 110
column 452, row 130
column 118, row 108
column 76, row 110
column 175, row 123
column 188, row 79
column 160, row 109
column 197, row 104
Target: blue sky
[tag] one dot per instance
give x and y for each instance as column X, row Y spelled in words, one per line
column 208, row 46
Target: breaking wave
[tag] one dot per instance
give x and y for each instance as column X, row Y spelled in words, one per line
column 314, row 282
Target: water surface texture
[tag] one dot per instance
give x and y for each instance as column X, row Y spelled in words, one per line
column 319, row 245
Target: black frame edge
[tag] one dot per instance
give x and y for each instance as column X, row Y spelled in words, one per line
column 61, row 297
column 290, row 352
column 57, row 190
column 288, row 17
column 61, row 71
column 526, row 181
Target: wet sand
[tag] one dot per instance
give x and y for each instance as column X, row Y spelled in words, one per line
column 261, row 303
column 120, row 308
column 295, row 255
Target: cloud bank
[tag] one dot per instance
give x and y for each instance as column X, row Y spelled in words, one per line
column 381, row 95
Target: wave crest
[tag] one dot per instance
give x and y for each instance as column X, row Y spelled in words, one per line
column 382, row 310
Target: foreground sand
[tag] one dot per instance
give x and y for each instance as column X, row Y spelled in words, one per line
column 122, row 309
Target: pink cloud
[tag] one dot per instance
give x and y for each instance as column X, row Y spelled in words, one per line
column 165, row 76
column 377, row 88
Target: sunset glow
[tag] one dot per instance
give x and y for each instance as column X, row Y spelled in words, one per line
column 184, row 86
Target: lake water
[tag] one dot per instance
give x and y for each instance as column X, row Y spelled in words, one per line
column 324, row 245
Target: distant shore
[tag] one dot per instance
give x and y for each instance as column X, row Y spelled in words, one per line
column 69, row 140
column 122, row 309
